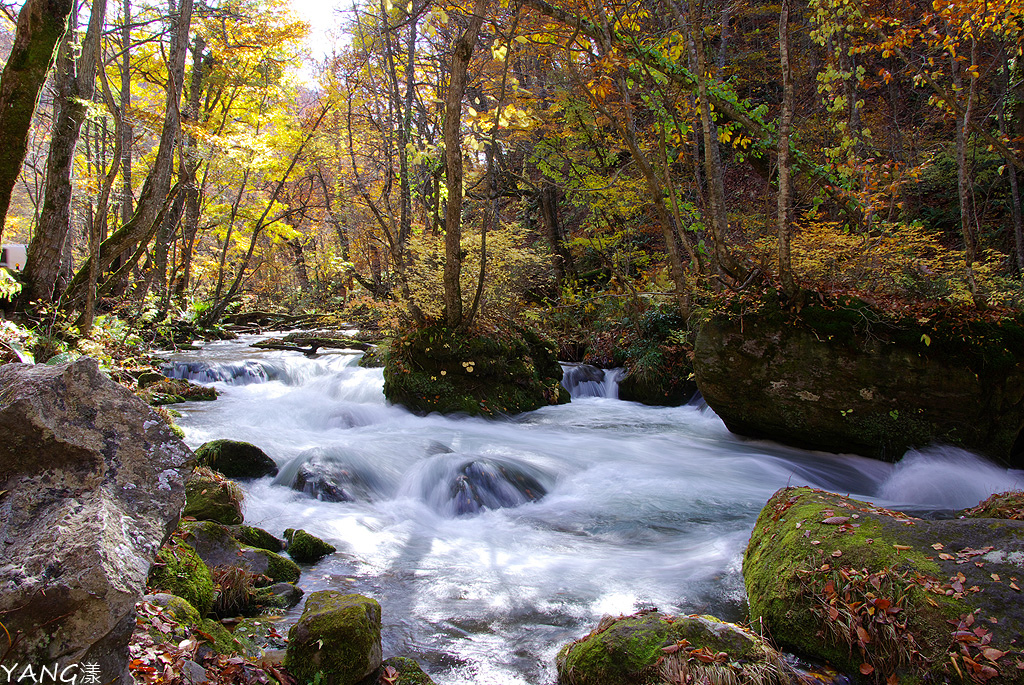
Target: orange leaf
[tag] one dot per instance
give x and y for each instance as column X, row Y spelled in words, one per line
column 867, row 669
column 993, row 654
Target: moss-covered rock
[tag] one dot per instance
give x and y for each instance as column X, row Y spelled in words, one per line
column 236, row 459
column 405, row 671
column 278, row 568
column 178, row 570
column 305, row 548
column 338, row 637
column 842, row 378
column 211, row 497
column 217, row 546
column 1002, row 505
column 257, row 537
column 437, row 369
column 658, row 648
column 884, row 594
column 176, row 391
column 222, row 642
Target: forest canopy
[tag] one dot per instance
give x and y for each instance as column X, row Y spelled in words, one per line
column 475, row 163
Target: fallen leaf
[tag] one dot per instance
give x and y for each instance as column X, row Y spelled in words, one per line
column 867, row 669
column 837, row 553
column 946, row 557
column 836, row 520
column 1014, row 586
column 863, row 636
column 902, row 548
column 938, row 545
column 993, row 654
column 995, row 577
column 833, row 613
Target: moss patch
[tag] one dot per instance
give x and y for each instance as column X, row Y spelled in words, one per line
column 404, row 671
column 259, row 538
column 337, row 637
column 236, row 459
column 176, row 391
column 655, row 648
column 878, row 592
column 307, row 549
column 211, row 497
column 178, row 570
column 437, row 369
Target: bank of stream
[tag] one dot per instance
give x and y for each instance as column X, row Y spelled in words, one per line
column 644, row 506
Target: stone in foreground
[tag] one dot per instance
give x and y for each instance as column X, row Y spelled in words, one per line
column 338, row 637
column 658, row 648
column 887, row 595
column 92, row 482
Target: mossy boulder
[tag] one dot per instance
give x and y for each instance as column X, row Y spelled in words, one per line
column 221, row 640
column 179, row 570
column 338, row 637
column 305, row 548
column 236, row 459
column 217, row 546
column 435, row 369
column 176, row 391
column 211, row 497
column 257, row 537
column 404, row 671
column 167, row 618
column 880, row 593
column 658, row 648
column 843, row 378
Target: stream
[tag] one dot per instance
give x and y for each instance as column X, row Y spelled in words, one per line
column 644, row 507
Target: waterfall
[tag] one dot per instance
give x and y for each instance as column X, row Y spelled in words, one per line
column 583, row 380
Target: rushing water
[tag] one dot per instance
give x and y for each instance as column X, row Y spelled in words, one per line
column 644, row 506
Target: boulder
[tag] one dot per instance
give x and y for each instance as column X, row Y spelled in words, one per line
column 179, row 571
column 176, row 391
column 258, row 538
column 338, row 637
column 884, row 594
column 401, row 670
column 844, row 379
column 91, row 484
column 333, row 475
column 236, row 459
column 653, row 647
column 283, row 595
column 435, row 369
column 305, row 548
column 211, row 497
column 216, row 546
column 167, row 618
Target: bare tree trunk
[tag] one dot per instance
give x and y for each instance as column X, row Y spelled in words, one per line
column 1018, row 224
column 41, row 24
column 75, row 84
column 127, row 133
column 461, row 54
column 785, row 204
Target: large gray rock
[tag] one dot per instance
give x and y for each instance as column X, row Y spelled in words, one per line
column 91, row 485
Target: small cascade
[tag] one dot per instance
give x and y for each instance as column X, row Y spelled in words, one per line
column 584, row 380
column 333, row 474
column 294, row 371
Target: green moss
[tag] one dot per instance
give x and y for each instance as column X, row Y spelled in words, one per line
column 211, row 497
column 308, row 549
column 280, row 569
column 259, row 538
column 435, row 369
column 337, row 636
column 236, row 459
column 178, row 570
column 376, row 357
column 223, row 642
column 407, row 672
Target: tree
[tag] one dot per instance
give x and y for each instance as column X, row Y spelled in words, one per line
column 41, row 24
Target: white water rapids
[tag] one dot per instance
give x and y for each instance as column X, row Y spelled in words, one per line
column 645, row 506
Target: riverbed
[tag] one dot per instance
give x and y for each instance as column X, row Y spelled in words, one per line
column 643, row 506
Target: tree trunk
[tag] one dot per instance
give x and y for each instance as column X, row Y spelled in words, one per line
column 127, row 133
column 156, row 189
column 75, row 84
column 785, row 204
column 461, row 54
column 41, row 24
column 190, row 164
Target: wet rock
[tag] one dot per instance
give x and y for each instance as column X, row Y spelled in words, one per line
column 257, row 537
column 305, row 548
column 332, row 475
column 216, row 546
column 337, row 636
column 285, row 595
column 236, row 459
column 489, row 484
column 176, row 391
column 211, row 497
column 878, row 592
column 92, row 484
column 659, row 648
column 262, row 634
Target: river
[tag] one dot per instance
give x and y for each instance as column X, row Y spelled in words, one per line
column 645, row 506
